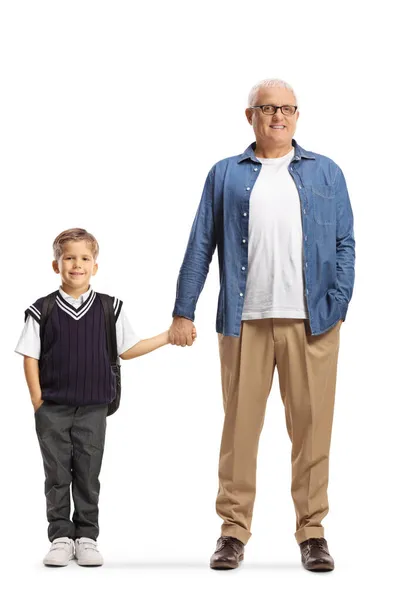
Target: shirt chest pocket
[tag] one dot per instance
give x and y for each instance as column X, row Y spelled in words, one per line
column 324, row 205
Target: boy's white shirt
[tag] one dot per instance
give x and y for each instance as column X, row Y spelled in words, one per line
column 29, row 342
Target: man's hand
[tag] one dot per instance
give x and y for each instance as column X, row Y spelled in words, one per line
column 182, row 332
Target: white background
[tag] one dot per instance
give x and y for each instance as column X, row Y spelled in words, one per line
column 111, row 115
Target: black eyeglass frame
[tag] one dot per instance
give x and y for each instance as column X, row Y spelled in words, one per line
column 276, row 109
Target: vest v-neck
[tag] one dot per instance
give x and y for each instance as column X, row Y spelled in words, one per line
column 75, row 312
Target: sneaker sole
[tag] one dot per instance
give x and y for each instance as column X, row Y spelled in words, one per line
column 87, row 563
column 51, row 563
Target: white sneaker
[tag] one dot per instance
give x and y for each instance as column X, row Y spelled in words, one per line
column 86, row 553
column 60, row 553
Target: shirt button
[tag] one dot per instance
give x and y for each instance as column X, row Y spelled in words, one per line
column 306, row 265
column 304, row 210
column 245, row 214
column 241, row 294
column 247, row 188
column 291, row 168
column 306, row 292
column 305, row 237
column 243, row 268
column 300, row 188
column 255, row 169
column 244, row 241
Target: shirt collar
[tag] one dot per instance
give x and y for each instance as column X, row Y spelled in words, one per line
column 82, row 298
column 299, row 153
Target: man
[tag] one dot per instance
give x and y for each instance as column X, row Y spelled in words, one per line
column 283, row 224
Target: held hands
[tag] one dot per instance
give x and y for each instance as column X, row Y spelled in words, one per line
column 182, row 332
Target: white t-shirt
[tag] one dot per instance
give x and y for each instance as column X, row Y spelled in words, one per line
column 275, row 282
column 29, row 342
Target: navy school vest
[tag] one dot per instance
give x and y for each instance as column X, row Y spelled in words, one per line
column 74, row 364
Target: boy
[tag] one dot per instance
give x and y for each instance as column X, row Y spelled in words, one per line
column 71, row 384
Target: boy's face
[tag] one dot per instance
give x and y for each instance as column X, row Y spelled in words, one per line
column 76, row 265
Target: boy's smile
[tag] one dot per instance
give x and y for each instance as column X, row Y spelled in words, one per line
column 76, row 266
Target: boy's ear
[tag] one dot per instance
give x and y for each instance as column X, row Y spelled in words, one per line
column 55, row 266
column 95, row 268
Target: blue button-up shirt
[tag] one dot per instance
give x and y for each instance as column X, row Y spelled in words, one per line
column 222, row 220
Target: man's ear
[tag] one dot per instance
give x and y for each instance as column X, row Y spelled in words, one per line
column 55, row 267
column 249, row 115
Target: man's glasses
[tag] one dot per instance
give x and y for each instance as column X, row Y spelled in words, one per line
column 270, row 109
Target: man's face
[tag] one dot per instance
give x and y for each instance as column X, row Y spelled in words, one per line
column 76, row 265
column 274, row 130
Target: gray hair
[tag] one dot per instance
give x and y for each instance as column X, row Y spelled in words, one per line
column 269, row 83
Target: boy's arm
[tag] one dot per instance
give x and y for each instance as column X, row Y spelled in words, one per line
column 29, row 347
column 31, row 369
column 146, row 346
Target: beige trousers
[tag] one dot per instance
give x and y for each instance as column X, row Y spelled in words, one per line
column 307, row 380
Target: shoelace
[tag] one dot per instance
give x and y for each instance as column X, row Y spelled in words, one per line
column 227, row 541
column 319, row 543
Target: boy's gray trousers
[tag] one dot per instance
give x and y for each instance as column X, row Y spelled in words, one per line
column 71, row 440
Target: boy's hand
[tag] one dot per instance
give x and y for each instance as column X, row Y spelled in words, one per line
column 37, row 404
column 194, row 333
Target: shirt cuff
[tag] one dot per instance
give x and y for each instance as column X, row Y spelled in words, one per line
column 183, row 311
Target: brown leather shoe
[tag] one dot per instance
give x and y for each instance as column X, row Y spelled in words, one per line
column 315, row 555
column 228, row 554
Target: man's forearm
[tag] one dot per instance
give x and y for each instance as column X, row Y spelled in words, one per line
column 193, row 272
column 31, row 369
column 188, row 292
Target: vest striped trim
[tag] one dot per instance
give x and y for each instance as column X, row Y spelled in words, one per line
column 33, row 312
column 117, row 308
column 76, row 313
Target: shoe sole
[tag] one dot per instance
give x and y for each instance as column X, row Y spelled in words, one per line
column 222, row 566
column 50, row 563
column 319, row 568
column 89, row 564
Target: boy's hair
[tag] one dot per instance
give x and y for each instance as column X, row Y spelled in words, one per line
column 75, row 235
